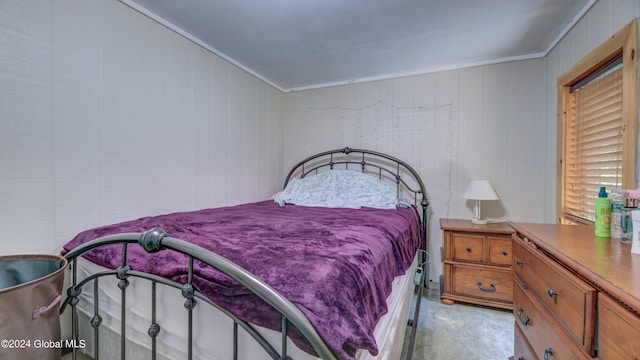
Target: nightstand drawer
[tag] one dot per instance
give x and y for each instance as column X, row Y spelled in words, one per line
column 482, row 282
column 542, row 330
column 499, row 250
column 467, row 247
column 618, row 331
column 567, row 297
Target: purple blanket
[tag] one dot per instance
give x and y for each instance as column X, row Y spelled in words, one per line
column 336, row 265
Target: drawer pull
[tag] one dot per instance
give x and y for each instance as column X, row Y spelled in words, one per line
column 523, row 320
column 491, row 288
column 548, row 352
column 468, row 249
column 552, row 294
column 519, row 262
column 505, row 252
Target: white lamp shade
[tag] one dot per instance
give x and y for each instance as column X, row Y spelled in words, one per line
column 480, row 190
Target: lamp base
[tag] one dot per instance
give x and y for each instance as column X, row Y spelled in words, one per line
column 479, row 222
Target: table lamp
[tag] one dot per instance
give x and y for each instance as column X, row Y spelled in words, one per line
column 479, row 190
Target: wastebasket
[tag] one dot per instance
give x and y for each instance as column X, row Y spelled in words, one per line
column 30, row 294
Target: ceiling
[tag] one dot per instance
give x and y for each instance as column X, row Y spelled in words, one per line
column 303, row 44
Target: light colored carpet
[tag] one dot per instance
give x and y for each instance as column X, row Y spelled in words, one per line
column 462, row 331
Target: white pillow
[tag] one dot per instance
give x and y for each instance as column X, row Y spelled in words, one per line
column 340, row 188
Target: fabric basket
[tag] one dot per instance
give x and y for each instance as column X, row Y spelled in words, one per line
column 30, row 294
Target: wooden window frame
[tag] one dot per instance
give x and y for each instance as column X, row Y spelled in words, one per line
column 622, row 42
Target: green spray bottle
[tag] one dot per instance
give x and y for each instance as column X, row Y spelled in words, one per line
column 603, row 214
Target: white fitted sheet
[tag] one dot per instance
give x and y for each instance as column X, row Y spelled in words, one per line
column 213, row 334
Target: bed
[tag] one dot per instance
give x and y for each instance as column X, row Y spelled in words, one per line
column 307, row 275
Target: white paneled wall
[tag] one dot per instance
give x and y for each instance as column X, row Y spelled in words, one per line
column 604, row 19
column 477, row 123
column 106, row 115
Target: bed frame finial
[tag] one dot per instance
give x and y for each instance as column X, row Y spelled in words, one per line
column 151, row 240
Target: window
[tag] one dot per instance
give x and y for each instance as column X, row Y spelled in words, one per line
column 597, row 126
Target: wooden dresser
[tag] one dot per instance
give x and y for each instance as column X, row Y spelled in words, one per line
column 575, row 296
column 477, row 263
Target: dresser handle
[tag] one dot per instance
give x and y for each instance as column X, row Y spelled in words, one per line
column 519, row 262
column 505, row 252
column 468, row 249
column 552, row 293
column 548, row 352
column 525, row 320
column 492, row 287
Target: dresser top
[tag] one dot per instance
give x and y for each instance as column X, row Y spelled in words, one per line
column 607, row 263
column 467, row 225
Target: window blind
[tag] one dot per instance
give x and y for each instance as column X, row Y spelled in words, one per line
column 593, row 153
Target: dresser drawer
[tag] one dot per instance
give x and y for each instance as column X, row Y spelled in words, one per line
column 570, row 299
column 499, row 250
column 546, row 337
column 482, row 282
column 618, row 331
column 521, row 349
column 467, row 247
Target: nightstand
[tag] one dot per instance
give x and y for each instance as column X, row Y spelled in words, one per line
column 477, row 263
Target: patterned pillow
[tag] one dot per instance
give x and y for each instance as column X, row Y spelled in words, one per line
column 340, row 188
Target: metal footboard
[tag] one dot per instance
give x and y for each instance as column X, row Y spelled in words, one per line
column 156, row 240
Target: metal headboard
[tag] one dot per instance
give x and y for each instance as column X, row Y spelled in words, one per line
column 383, row 164
column 389, row 168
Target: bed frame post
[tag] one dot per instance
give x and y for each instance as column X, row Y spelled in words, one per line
column 420, row 287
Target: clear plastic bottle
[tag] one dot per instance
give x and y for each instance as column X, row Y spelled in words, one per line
column 616, row 214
